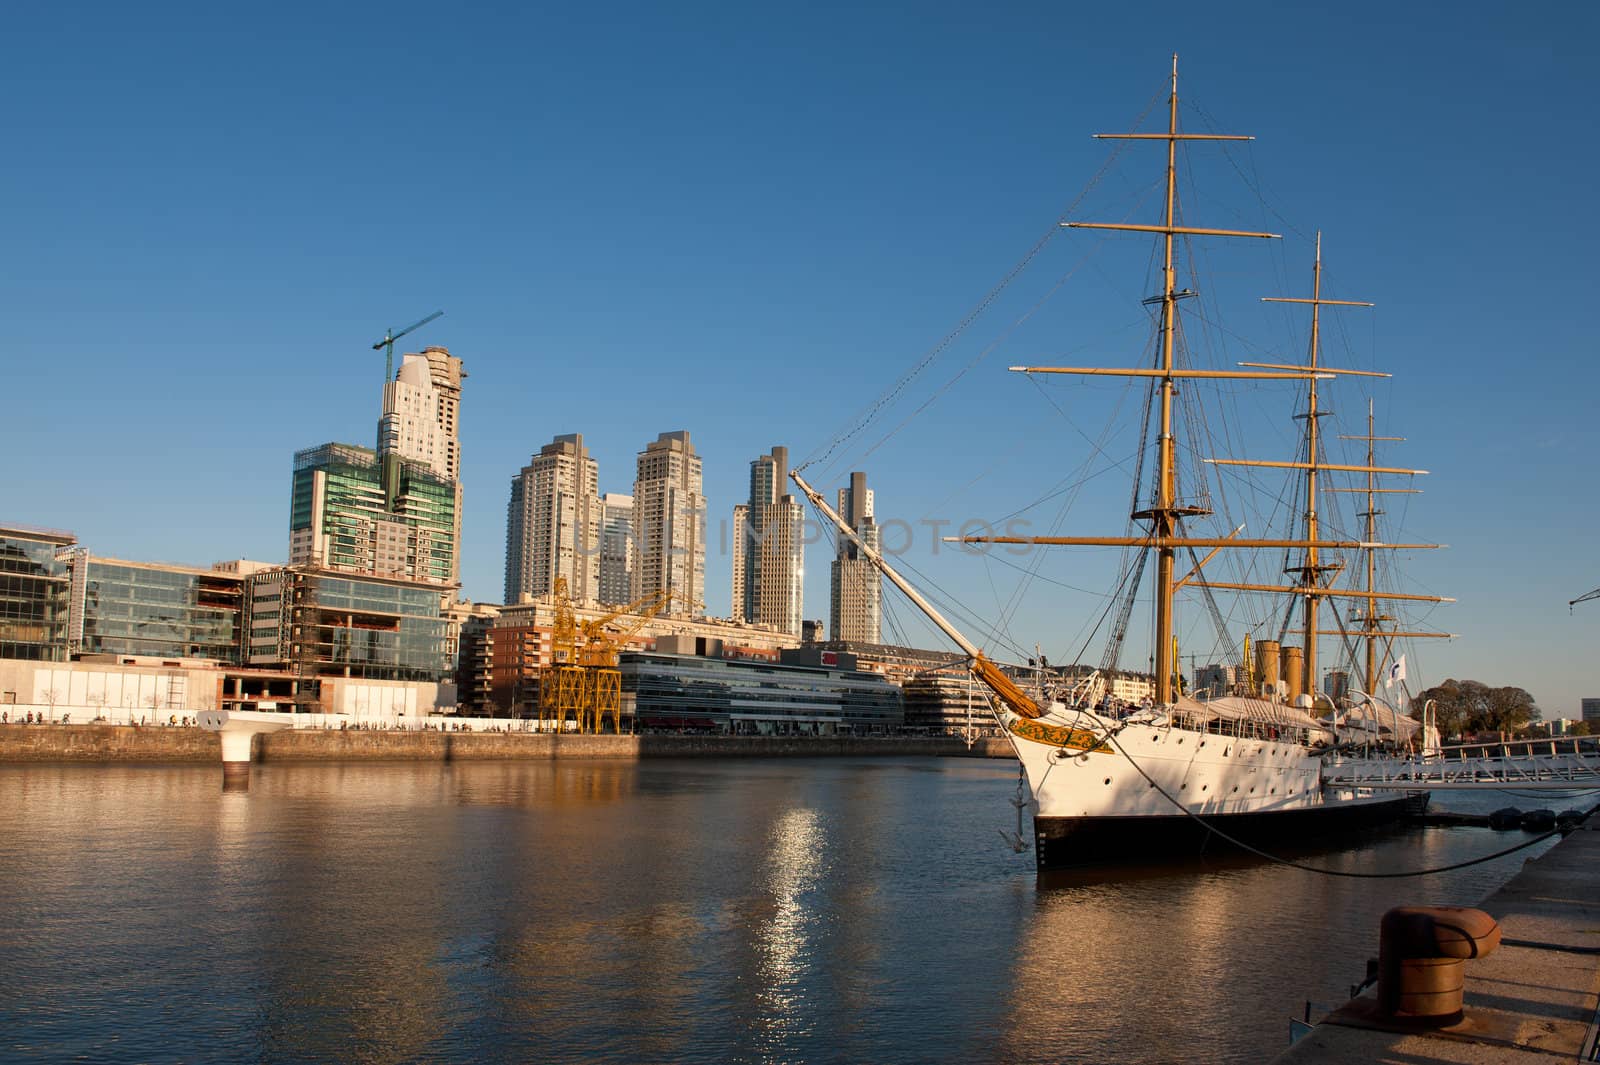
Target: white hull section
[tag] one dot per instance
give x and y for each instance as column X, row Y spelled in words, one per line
column 1204, row 773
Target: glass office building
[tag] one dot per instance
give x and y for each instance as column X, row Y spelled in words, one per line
column 323, row 625
column 34, row 592
column 729, row 695
column 134, row 608
column 341, row 517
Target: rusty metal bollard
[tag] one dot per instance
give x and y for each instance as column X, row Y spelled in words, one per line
column 1422, row 954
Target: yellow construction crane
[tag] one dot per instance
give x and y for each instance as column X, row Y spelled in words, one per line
column 582, row 682
column 561, row 682
column 601, row 651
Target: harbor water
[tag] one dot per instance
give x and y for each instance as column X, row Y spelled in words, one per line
column 806, row 910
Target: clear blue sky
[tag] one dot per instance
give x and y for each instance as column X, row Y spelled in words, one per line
column 748, row 221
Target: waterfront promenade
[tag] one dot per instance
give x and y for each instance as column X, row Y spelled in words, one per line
column 90, row 744
column 1532, row 1000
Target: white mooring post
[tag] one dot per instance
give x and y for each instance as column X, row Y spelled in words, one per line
column 237, row 728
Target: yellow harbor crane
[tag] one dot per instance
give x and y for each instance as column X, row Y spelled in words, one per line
column 582, row 682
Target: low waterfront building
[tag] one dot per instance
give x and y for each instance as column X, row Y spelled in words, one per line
column 939, row 694
column 131, row 689
column 519, row 642
column 1132, row 689
column 154, row 610
column 674, row 687
column 34, row 592
column 318, row 624
column 458, row 615
column 474, row 661
column 948, row 702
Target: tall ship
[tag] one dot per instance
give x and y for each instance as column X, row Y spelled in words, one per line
column 1176, row 775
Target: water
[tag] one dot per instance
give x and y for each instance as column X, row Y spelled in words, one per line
column 823, row 910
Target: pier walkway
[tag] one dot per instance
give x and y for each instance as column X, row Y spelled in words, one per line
column 1531, row 765
column 1532, row 1000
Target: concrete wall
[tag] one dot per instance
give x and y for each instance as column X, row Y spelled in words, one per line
column 90, row 689
column 117, row 743
column 107, row 743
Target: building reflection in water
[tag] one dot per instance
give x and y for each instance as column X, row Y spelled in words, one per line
column 824, row 910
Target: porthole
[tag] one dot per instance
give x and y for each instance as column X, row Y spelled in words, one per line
column 1204, row 787
column 1236, row 788
column 1108, row 780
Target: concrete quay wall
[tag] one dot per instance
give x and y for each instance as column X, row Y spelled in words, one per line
column 122, row 743
column 107, row 743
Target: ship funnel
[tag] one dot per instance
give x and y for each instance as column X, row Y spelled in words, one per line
column 1267, row 666
column 1294, row 673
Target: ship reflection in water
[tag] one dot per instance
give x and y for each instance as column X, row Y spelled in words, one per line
column 800, row 911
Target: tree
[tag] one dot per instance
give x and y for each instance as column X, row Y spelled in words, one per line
column 1464, row 706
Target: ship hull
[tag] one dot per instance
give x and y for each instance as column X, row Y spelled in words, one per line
column 1067, row 842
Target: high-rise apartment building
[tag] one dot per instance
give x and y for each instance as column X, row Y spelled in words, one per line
column 669, row 520
column 617, row 555
column 553, row 523
column 769, row 551
column 344, row 516
column 421, row 424
column 856, row 599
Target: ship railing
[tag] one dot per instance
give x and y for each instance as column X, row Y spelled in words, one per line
column 1581, row 746
column 1242, row 728
column 1577, row 767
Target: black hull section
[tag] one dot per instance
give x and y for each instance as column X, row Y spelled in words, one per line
column 1069, row 842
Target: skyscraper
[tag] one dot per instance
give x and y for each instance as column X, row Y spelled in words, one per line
column 394, row 511
column 669, row 511
column 553, row 523
column 856, row 598
column 420, row 424
column 769, row 553
column 617, row 555
column 353, row 513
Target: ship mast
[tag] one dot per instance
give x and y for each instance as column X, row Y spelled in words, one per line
column 1165, row 535
column 1310, row 572
column 1165, row 512
column 1372, row 622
